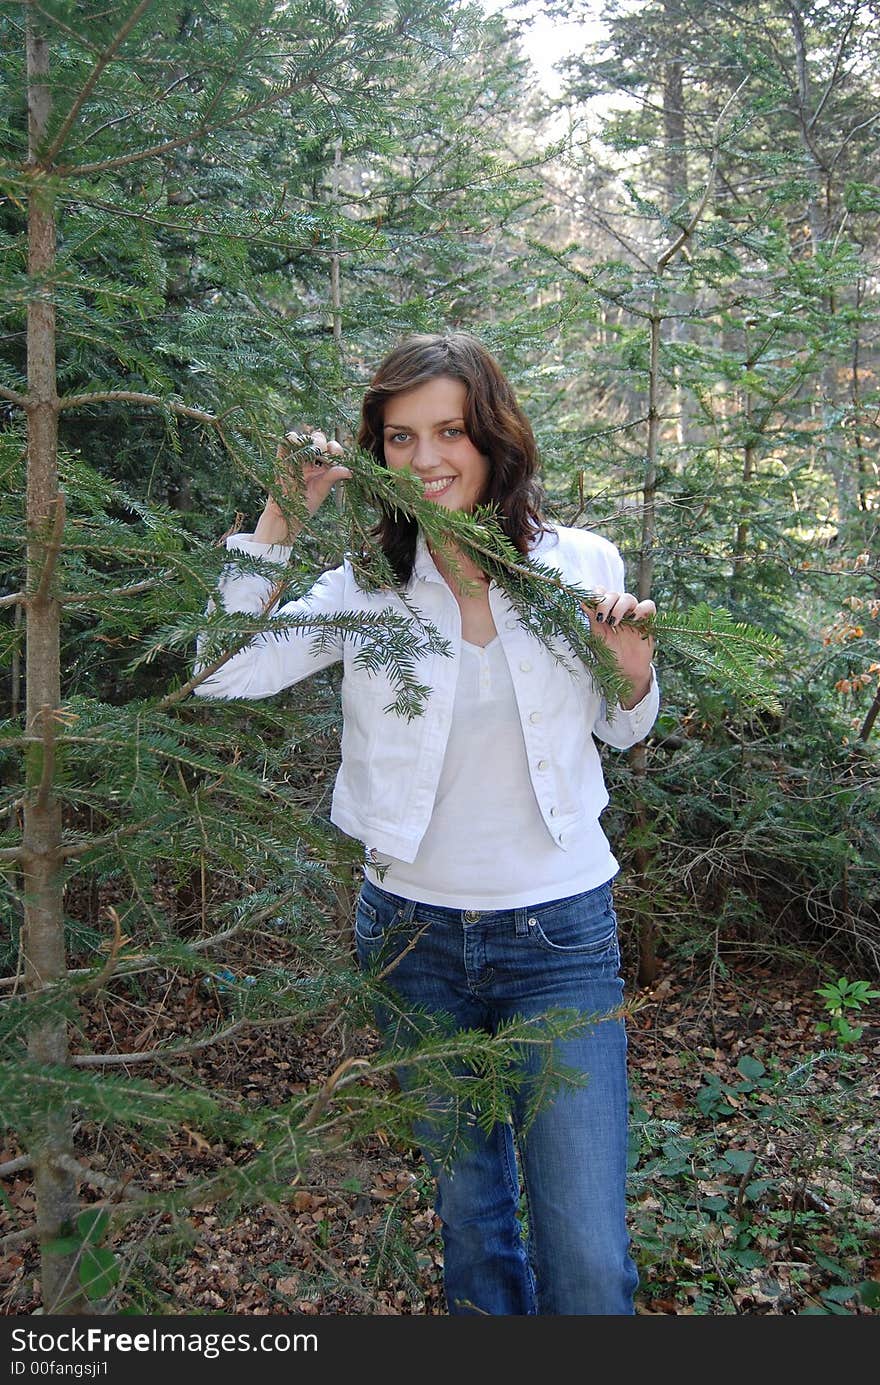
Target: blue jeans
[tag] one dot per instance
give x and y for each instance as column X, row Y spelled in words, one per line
column 478, row 970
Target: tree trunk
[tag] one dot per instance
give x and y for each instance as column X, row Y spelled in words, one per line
column 51, row 1140
column 638, row 756
column 741, row 541
column 819, row 214
column 856, row 395
column 676, row 177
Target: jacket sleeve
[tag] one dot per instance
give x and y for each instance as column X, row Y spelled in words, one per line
column 272, row 661
column 630, row 725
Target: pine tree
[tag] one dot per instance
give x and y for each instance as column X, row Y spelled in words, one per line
column 171, row 191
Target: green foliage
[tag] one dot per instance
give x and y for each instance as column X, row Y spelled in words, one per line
column 708, row 1216
column 839, row 997
column 207, row 180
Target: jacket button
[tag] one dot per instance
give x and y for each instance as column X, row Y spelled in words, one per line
column 511, row 624
column 554, row 812
column 543, row 764
column 525, row 666
column 534, row 717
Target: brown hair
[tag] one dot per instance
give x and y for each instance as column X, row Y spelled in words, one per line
column 494, row 422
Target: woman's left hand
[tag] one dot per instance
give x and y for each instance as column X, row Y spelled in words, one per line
column 633, row 648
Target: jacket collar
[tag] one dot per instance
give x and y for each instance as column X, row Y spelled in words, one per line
column 426, row 570
column 424, row 566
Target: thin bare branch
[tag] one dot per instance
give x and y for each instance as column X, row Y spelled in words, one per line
column 79, row 401
column 322, row 1100
column 165, row 1055
column 854, row 131
column 99, row 596
column 138, row 966
column 94, row 77
column 56, row 23
column 688, row 230
column 191, row 137
column 12, row 1166
column 110, row 965
column 18, row 1238
column 838, row 59
column 13, row 396
column 110, row 1187
column 69, row 851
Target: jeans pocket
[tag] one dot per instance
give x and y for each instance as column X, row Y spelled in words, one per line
column 367, row 922
column 379, row 933
column 585, row 925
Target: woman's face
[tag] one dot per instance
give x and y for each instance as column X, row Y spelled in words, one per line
column 424, row 432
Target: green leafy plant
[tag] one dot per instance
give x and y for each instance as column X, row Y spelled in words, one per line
column 97, row 1267
column 839, row 997
column 715, row 1215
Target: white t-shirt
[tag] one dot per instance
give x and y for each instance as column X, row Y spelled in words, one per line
column 486, row 846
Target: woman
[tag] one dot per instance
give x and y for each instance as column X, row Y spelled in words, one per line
column 486, row 892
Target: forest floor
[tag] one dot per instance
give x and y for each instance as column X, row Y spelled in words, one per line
column 754, row 1181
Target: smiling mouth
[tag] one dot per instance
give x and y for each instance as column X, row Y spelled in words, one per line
column 439, row 486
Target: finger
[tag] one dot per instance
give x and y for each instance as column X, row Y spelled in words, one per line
column 644, row 610
column 294, row 440
column 328, row 475
column 622, row 607
column 605, row 605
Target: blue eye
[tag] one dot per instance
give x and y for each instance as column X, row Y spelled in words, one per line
column 454, row 432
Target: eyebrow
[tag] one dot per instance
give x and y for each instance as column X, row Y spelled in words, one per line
column 404, row 427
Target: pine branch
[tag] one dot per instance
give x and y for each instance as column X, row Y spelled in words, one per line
column 194, row 136
column 554, row 610
column 92, row 80
column 387, row 641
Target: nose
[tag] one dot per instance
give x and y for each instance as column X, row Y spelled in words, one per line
column 424, row 458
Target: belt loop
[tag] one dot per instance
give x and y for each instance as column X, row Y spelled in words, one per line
column 408, row 911
column 522, row 922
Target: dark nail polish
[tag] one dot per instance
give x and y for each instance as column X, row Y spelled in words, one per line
column 610, row 622
column 599, row 615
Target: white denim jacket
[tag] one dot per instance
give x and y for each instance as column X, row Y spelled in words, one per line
column 387, row 781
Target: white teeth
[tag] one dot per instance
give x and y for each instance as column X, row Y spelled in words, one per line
column 430, row 487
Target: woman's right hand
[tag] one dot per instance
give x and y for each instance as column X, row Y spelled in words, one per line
column 310, row 471
column 303, row 473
